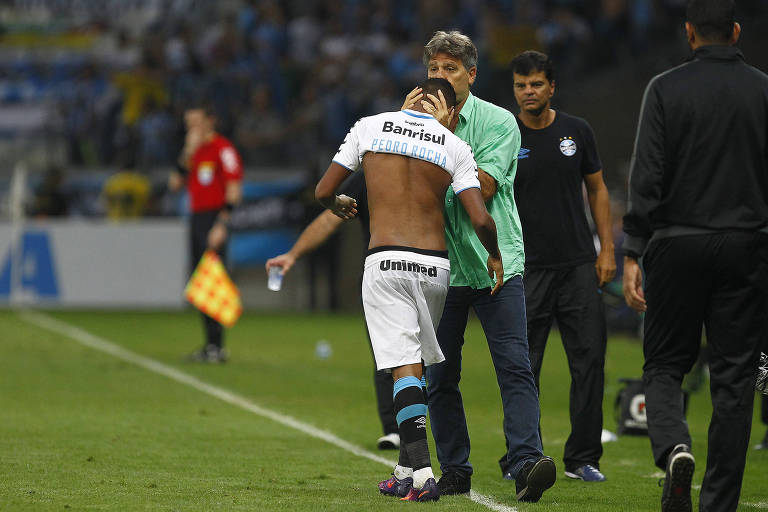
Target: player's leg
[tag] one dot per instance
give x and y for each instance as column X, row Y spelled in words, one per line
column 446, row 409
column 676, row 290
column 382, row 384
column 411, row 412
column 540, row 291
column 581, row 318
column 503, row 319
column 736, row 326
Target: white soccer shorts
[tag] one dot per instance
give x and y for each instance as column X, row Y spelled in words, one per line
column 403, row 296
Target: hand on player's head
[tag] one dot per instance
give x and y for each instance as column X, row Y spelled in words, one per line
column 413, row 96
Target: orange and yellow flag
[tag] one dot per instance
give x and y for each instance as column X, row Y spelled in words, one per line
column 212, row 291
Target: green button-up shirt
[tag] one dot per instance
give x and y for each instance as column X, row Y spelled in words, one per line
column 494, row 137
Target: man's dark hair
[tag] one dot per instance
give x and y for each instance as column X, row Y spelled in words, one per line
column 712, row 19
column 432, row 85
column 532, row 61
column 206, row 106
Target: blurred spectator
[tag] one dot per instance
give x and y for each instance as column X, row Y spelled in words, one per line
column 126, row 194
column 260, row 131
column 49, row 199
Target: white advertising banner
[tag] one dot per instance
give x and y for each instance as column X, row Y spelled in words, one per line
column 94, row 264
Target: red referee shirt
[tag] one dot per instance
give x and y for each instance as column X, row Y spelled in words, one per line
column 212, row 165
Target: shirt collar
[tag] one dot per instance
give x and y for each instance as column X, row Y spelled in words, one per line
column 718, row 52
column 421, row 115
column 468, row 108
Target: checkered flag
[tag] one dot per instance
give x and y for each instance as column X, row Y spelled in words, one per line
column 762, row 374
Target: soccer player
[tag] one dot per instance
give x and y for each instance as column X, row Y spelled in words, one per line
column 213, row 172
column 410, row 159
column 698, row 223
column 494, row 137
column 563, row 275
column 318, row 231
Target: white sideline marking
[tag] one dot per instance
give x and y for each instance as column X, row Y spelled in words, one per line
column 97, row 343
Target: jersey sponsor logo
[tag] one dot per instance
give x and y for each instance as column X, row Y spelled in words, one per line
column 205, row 173
column 567, row 146
column 523, row 153
column 408, row 266
column 389, row 126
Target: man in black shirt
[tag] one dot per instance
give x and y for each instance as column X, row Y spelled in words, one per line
column 698, row 222
column 563, row 276
column 318, row 231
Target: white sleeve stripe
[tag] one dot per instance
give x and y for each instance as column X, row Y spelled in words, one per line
column 344, row 166
column 467, row 188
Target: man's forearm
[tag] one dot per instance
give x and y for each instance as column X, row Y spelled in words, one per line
column 600, row 206
column 486, row 233
column 314, row 235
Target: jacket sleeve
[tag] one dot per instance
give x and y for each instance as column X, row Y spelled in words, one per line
column 646, row 172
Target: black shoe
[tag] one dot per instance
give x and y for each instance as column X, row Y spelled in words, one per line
column 676, row 496
column 535, row 477
column 454, row 482
column 209, row 354
column 504, row 465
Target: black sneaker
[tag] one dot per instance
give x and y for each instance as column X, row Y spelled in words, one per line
column 676, row 496
column 209, row 354
column 535, row 477
column 454, row 482
column 504, row 465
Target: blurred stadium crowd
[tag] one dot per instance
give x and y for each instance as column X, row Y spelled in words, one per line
column 287, row 78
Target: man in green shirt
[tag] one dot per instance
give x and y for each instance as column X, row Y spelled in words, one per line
column 494, row 137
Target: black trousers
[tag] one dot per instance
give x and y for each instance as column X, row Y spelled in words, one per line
column 718, row 281
column 571, row 296
column 200, row 224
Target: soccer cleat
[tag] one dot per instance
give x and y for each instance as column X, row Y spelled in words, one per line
column 454, row 482
column 395, row 486
column 534, row 478
column 429, row 492
column 587, row 473
column 676, row 496
column 388, row 442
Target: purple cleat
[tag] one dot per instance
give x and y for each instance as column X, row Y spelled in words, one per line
column 396, row 487
column 429, row 492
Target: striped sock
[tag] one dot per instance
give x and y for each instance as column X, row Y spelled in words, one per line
column 411, row 412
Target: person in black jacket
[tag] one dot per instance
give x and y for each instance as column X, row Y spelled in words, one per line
column 698, row 221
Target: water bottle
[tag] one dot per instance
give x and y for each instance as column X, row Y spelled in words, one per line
column 275, row 279
column 323, row 349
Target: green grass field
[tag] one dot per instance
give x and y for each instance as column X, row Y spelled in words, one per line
column 83, row 429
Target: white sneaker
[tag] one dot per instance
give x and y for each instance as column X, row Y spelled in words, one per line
column 389, row 442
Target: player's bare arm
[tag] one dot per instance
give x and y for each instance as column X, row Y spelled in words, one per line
column 472, row 201
column 487, row 185
column 325, row 192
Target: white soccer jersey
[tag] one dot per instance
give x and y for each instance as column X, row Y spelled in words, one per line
column 415, row 135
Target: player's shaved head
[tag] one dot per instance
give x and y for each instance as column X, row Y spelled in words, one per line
column 432, row 85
